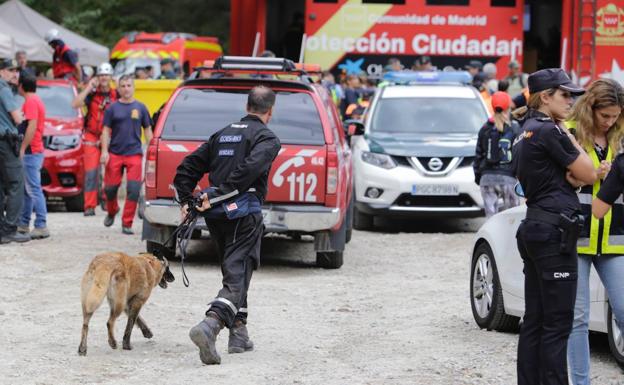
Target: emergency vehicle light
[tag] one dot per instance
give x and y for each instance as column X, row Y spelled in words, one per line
column 254, row 63
column 415, row 77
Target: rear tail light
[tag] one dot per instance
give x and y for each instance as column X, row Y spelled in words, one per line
column 150, row 165
column 332, row 170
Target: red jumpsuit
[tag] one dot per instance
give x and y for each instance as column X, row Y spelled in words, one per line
column 97, row 102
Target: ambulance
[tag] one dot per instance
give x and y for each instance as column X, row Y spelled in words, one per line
column 142, row 49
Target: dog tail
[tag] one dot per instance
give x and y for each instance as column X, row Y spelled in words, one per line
column 94, row 287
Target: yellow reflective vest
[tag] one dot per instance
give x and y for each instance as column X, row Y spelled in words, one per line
column 601, row 236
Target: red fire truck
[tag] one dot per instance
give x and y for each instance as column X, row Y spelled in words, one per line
column 582, row 36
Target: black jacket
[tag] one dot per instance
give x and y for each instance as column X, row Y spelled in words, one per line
column 493, row 152
column 238, row 157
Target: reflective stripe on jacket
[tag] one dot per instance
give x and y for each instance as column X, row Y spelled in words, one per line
column 601, row 236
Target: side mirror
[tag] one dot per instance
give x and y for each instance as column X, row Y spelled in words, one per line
column 518, row 190
column 354, row 127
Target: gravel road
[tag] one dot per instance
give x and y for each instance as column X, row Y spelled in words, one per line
column 397, row 312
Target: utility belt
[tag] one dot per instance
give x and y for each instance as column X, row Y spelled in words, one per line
column 570, row 227
column 233, row 205
column 14, row 140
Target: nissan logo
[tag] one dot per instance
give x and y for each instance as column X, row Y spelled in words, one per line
column 435, row 164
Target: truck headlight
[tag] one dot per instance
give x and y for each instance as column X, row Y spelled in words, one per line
column 379, row 160
column 63, row 142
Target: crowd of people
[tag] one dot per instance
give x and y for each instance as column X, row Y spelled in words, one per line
column 113, row 127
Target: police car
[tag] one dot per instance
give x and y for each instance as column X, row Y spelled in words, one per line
column 418, row 144
column 497, row 282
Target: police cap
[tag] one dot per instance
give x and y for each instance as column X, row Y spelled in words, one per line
column 552, row 78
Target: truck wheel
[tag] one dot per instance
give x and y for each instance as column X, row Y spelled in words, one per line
column 74, row 204
column 329, row 259
column 362, row 221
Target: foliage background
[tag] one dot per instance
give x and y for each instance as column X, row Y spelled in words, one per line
column 105, row 21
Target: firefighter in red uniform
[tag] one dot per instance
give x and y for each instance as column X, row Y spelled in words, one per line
column 122, row 149
column 64, row 60
column 97, row 96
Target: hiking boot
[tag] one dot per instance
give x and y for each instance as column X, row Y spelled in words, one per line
column 89, row 212
column 39, row 233
column 109, row 220
column 15, row 237
column 239, row 341
column 204, row 335
column 127, row 230
column 23, row 229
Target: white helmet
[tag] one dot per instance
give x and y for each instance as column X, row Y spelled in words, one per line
column 104, row 69
column 52, row 34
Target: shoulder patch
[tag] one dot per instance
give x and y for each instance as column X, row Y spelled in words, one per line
column 543, row 119
column 230, row 138
column 238, row 125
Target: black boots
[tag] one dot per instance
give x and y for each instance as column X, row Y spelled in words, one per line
column 204, row 335
column 239, row 341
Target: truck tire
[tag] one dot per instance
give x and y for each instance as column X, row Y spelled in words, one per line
column 74, row 204
column 349, row 219
column 362, row 221
column 329, row 259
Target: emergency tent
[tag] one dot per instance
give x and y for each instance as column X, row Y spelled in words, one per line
column 16, row 16
column 13, row 40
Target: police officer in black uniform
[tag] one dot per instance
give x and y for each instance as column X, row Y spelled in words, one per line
column 238, row 159
column 549, row 165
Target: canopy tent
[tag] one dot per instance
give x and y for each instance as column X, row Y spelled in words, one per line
column 13, row 40
column 17, row 16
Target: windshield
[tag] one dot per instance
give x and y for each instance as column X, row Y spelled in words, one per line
column 428, row 115
column 57, row 101
column 196, row 114
column 128, row 66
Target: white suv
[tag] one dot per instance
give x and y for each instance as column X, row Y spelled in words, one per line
column 418, row 144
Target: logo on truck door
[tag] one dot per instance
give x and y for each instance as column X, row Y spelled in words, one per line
column 301, row 185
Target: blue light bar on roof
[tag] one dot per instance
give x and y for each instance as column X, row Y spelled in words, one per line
column 415, row 77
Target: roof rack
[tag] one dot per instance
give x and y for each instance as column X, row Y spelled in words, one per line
column 252, row 63
column 428, row 77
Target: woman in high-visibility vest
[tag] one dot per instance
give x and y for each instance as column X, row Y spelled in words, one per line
column 599, row 123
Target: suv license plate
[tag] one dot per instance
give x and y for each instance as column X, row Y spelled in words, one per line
column 435, row 189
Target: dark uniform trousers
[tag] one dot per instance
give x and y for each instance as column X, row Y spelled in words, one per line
column 12, row 187
column 549, row 293
column 238, row 244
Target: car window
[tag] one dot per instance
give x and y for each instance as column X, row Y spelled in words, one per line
column 196, row 114
column 57, row 101
column 431, row 115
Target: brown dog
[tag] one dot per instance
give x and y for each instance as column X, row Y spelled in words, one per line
column 127, row 282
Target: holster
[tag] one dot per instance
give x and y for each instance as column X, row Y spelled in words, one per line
column 570, row 226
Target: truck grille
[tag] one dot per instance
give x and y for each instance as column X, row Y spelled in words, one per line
column 461, row 200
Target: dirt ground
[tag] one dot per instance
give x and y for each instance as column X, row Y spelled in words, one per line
column 397, row 312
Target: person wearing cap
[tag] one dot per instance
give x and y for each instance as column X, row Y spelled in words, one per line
column 474, row 67
column 550, row 165
column 492, row 165
column 64, row 60
column 11, row 172
column 166, row 69
column 599, row 128
column 517, row 79
column 98, row 96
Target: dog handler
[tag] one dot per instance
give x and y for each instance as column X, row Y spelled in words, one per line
column 238, row 159
column 550, row 166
